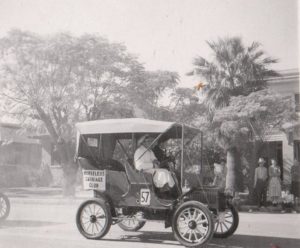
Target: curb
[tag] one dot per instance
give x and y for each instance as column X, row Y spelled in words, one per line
column 272, row 210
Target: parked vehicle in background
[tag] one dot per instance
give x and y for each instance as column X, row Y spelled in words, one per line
column 4, row 207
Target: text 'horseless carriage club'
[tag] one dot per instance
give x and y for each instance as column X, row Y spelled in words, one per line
column 128, row 196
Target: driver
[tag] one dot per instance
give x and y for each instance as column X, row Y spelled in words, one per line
column 144, row 159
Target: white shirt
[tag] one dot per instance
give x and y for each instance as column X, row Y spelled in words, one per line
column 143, row 158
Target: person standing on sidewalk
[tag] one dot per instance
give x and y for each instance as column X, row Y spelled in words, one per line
column 295, row 187
column 274, row 187
column 260, row 182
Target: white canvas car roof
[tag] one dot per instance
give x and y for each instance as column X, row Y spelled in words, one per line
column 129, row 125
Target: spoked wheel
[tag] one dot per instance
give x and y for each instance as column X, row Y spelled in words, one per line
column 4, row 207
column 93, row 218
column 192, row 224
column 132, row 224
column 226, row 222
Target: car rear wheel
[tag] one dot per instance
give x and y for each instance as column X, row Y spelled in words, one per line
column 4, row 207
column 226, row 222
column 94, row 218
column 192, row 224
column 131, row 224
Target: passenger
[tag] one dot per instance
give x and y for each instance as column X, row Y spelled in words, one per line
column 160, row 153
column 220, row 173
column 145, row 160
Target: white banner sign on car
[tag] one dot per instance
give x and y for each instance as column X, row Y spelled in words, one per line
column 94, row 179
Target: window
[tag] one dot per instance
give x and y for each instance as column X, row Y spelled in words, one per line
column 93, row 142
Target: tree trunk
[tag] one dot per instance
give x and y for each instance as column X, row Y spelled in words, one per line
column 69, row 179
column 254, row 158
column 69, row 167
column 239, row 178
column 231, row 169
column 66, row 153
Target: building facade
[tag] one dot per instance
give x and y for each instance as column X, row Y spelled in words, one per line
column 285, row 146
column 20, row 156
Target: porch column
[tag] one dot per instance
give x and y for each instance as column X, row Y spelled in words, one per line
column 288, row 159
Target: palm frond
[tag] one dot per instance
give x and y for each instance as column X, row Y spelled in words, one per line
column 200, row 61
column 254, row 46
column 217, row 98
column 234, row 70
column 269, row 60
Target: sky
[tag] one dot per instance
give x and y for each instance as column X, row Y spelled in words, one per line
column 165, row 34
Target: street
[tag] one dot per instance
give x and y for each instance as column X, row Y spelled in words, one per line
column 53, row 225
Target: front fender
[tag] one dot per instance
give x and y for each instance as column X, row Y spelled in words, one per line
column 108, row 200
column 209, row 196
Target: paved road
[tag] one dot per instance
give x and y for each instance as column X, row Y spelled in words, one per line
column 54, row 226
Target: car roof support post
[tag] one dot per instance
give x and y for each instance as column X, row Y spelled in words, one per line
column 182, row 152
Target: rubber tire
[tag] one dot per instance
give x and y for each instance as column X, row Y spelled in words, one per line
column 132, row 229
column 205, row 210
column 6, row 200
column 233, row 228
column 107, row 211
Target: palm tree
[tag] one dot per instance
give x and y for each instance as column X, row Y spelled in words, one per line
column 234, row 70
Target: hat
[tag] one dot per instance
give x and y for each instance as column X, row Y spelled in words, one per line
column 141, row 139
column 261, row 160
column 218, row 168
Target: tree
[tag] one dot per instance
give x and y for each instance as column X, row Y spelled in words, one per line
column 185, row 105
column 51, row 82
column 235, row 70
column 233, row 125
column 146, row 90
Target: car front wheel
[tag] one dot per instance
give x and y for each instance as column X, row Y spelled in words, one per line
column 192, row 224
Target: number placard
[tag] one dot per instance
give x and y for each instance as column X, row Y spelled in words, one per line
column 145, row 197
column 94, row 179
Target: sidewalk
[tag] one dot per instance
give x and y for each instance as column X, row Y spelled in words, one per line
column 44, row 195
column 242, row 206
column 49, row 195
column 268, row 209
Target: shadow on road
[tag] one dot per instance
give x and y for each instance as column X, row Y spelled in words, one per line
column 236, row 241
column 26, row 223
column 245, row 241
column 147, row 237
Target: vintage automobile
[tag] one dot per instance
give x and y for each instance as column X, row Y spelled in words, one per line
column 129, row 198
column 4, row 207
